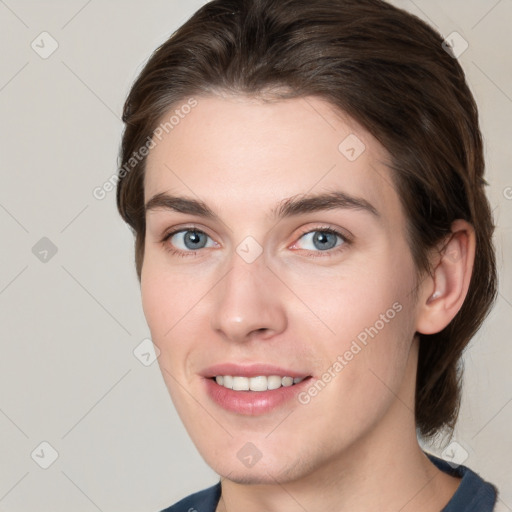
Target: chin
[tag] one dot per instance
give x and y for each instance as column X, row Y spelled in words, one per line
column 248, row 478
column 267, row 472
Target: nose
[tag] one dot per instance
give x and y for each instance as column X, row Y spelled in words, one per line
column 248, row 302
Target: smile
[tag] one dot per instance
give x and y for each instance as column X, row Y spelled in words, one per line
column 259, row 383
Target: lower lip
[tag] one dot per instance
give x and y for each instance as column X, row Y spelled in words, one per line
column 253, row 403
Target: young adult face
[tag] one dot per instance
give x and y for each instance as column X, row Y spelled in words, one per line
column 265, row 294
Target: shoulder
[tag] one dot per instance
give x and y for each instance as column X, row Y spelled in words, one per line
column 202, row 501
column 473, row 494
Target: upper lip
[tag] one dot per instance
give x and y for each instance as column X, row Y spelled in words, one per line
column 250, row 370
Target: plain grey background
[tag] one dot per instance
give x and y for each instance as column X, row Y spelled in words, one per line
column 70, row 308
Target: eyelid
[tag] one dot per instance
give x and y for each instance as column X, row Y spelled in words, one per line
column 342, row 233
column 178, row 229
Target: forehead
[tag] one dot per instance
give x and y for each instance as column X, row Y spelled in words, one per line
column 251, row 154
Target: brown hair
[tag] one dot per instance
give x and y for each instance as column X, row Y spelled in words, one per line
column 385, row 68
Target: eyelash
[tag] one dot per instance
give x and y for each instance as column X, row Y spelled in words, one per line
column 322, row 254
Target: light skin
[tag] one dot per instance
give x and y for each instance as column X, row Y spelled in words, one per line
column 298, row 305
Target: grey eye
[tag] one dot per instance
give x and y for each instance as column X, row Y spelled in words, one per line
column 321, row 240
column 189, row 240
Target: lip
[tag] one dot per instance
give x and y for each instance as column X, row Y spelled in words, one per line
column 252, row 403
column 251, row 370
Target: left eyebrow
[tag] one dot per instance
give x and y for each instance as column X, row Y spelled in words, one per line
column 298, row 205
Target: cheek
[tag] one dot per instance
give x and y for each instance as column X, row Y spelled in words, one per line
column 367, row 320
column 376, row 357
column 352, row 303
column 362, row 379
column 167, row 296
column 157, row 303
column 173, row 304
column 163, row 308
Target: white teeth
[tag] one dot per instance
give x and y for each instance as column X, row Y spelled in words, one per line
column 227, row 381
column 240, row 384
column 260, row 383
column 274, row 382
column 287, row 381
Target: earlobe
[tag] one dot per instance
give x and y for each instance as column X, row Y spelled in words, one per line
column 443, row 293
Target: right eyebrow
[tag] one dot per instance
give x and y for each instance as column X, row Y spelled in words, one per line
column 180, row 205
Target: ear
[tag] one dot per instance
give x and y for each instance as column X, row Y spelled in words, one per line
column 442, row 294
